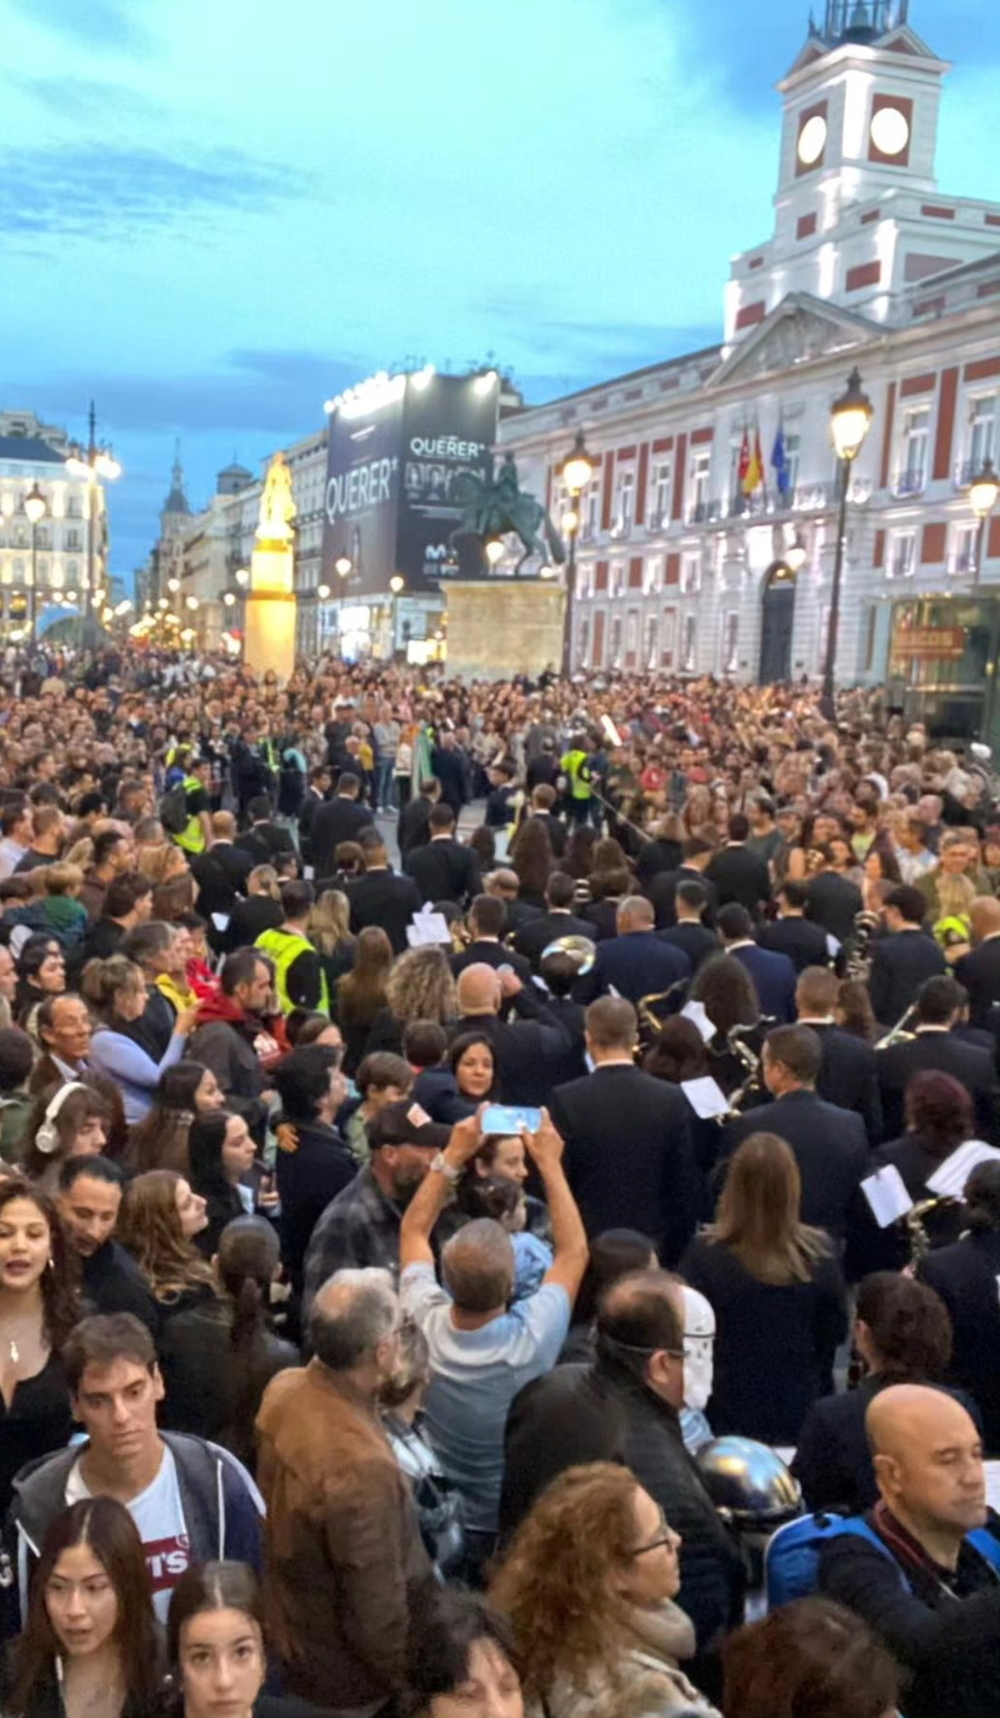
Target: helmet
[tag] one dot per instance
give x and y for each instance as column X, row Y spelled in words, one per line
column 748, row 1483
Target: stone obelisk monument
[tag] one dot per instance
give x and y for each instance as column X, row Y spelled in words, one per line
column 270, row 600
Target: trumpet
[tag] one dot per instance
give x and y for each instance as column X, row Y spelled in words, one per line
column 920, row 1241
column 859, row 950
column 900, row 1033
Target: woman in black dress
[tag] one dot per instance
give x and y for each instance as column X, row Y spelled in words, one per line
column 38, row 1308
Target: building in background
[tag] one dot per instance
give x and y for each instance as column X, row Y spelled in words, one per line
column 707, row 534
column 45, row 565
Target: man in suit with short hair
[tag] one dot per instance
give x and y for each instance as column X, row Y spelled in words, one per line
column 935, row 1045
column 696, row 853
column 979, row 971
column 629, row 1158
column 689, row 934
column 906, row 957
column 341, row 818
column 829, row 1144
column 832, row 900
column 773, row 974
column 413, row 828
column 791, row 933
column 636, row 962
column 533, row 937
column 487, row 920
column 847, row 1075
column 381, row 896
column 740, row 875
column 444, row 870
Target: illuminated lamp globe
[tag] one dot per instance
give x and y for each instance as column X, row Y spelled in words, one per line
column 322, row 591
column 984, row 490
column 796, row 556
column 242, row 575
column 191, row 603
column 173, row 585
column 850, row 418
column 35, row 505
column 494, row 550
column 228, row 598
column 396, row 583
column 577, row 467
column 342, row 566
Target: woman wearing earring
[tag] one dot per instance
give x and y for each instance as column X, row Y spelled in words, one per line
column 38, row 1308
column 89, row 1647
column 215, row 1642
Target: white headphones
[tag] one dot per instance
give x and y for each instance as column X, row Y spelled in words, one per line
column 47, row 1137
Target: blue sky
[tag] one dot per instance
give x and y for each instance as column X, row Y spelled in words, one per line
column 213, row 213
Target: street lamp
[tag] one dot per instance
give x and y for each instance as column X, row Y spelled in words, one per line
column 173, row 586
column 229, row 597
column 36, row 507
column 242, row 576
column 191, row 603
column 494, row 550
column 397, row 584
column 850, row 420
column 95, row 464
column 576, row 472
column 343, row 566
column 323, row 592
column 984, row 492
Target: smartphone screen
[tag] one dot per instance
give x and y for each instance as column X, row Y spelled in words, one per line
column 510, row 1118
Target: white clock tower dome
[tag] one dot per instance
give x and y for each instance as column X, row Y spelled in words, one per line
column 858, row 217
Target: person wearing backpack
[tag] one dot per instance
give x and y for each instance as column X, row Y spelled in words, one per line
column 923, row 1567
column 185, row 807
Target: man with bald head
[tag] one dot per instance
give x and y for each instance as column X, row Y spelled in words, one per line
column 341, row 1522
column 531, row 1049
column 482, row 1347
column 636, row 962
column 979, row 971
column 923, row 1567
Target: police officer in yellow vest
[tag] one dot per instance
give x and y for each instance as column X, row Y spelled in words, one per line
column 196, row 834
column 299, row 979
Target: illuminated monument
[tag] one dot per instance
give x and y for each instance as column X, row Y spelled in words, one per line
column 270, row 605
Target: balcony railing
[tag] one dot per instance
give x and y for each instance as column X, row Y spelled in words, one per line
column 961, row 562
column 965, row 471
column 912, row 481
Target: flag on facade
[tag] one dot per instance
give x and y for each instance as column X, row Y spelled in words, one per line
column 753, row 477
column 779, row 460
column 744, row 465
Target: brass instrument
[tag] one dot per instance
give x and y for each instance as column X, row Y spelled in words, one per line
column 900, row 1033
column 581, row 950
column 647, row 1009
column 858, row 964
column 749, row 1059
column 920, row 1241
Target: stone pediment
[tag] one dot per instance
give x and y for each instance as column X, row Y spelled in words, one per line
column 797, row 331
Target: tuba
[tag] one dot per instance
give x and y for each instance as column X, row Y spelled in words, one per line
column 900, row 1033
column 655, row 1009
column 581, row 950
column 916, row 1225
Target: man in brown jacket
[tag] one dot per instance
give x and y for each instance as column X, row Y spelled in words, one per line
column 344, row 1562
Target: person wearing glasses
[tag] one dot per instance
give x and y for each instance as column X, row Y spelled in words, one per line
column 588, row 1587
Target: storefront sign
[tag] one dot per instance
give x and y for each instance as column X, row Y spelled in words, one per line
column 929, row 641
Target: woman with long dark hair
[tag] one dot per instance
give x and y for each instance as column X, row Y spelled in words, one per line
column 221, row 1153
column 215, row 1641
column 185, row 1092
column 531, row 857
column 89, row 1644
column 159, row 1219
column 940, row 1116
column 69, row 1121
column 729, row 997
column 41, row 972
column 39, row 1304
column 361, row 993
column 812, row 1656
column 778, row 1296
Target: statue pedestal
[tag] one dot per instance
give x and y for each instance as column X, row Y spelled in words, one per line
column 500, row 627
column 269, row 640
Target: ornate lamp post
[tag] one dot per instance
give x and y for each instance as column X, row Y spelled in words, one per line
column 397, row 584
column 850, row 420
column 96, row 464
column 35, row 507
column 576, row 472
column 984, row 492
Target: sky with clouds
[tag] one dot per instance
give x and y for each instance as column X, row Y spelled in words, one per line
column 215, row 213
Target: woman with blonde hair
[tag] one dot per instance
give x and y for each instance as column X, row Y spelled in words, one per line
column 361, row 993
column 420, row 986
column 778, row 1295
column 588, row 1587
column 329, row 930
column 157, row 1223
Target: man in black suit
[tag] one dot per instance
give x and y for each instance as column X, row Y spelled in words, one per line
column 662, row 891
column 902, row 960
column 979, row 971
column 829, row 1144
column 934, row 1045
column 316, row 794
column 832, row 900
column 540, row 810
column 265, row 841
column 505, row 884
column 444, row 870
column 221, row 873
column 629, row 1158
column 847, row 1075
column 340, row 819
column 773, row 974
column 533, row 937
column 487, row 921
column 740, row 874
column 530, row 1049
column 381, row 896
column 412, row 830
column 449, row 765
column 689, row 934
column 792, row 933
column 636, row 962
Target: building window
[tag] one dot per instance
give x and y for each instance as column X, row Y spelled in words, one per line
column 585, row 581
column 963, row 552
column 18, row 568
column 72, row 569
column 688, row 636
column 625, row 503
column 730, row 641
column 902, row 561
column 824, row 633
column 649, row 642
column 659, row 495
column 592, row 512
column 615, row 642
column 72, row 540
column 701, row 472
column 617, row 580
column 73, row 507
column 691, row 572
column 652, row 575
column 582, row 641
column 913, row 462
column 981, row 440
column 870, row 627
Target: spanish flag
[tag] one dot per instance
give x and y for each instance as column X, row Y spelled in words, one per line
column 753, row 476
column 743, row 468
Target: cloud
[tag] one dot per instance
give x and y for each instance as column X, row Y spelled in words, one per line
column 103, row 191
column 96, row 24
column 88, row 101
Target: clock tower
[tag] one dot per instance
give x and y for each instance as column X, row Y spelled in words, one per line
column 858, row 218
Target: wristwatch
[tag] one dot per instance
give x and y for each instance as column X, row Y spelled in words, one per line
column 443, row 1167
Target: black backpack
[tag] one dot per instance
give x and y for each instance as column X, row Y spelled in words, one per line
column 173, row 809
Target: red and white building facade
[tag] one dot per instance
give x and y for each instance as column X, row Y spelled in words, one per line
column 870, row 265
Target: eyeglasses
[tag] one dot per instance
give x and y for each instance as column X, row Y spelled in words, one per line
column 670, row 1540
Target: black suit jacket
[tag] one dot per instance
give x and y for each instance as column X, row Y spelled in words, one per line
column 830, row 1148
column 833, row 902
column 740, row 875
column 693, row 940
column 900, row 963
column 965, row 1276
column 414, row 822
column 386, row 899
column 491, row 954
column 972, row 1067
column 307, row 811
column 629, row 1158
column 774, row 980
column 980, row 973
column 533, row 937
column 444, row 870
column 449, row 767
column 662, row 891
column 802, row 942
column 637, row 964
column 339, row 819
column 531, row 1048
column 848, row 1078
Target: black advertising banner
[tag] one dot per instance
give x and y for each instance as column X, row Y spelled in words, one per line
column 450, row 425
column 362, row 488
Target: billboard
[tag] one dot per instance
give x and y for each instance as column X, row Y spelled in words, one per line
column 396, row 445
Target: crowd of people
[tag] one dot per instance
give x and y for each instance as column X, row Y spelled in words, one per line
column 476, row 1161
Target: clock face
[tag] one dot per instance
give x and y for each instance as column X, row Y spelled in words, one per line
column 812, row 140
column 890, row 131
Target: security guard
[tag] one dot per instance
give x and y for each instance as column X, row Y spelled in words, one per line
column 299, row 979
column 196, row 834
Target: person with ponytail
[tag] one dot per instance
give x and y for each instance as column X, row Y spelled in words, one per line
column 217, row 1356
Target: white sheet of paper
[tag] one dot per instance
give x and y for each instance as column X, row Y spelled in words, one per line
column 992, row 1469
column 696, row 1011
column 705, row 1096
column 220, row 921
column 948, row 1182
column 308, row 873
column 426, row 929
column 886, row 1193
column 832, row 946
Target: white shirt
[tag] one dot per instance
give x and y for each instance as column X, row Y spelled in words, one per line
column 159, row 1516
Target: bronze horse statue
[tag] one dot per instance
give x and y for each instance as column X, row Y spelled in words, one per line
column 496, row 507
